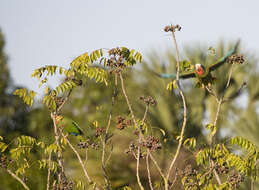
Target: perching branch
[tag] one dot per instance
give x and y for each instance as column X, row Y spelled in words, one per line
column 148, row 172
column 57, row 137
column 185, row 112
column 135, row 122
column 64, row 101
column 104, row 141
column 220, row 101
column 18, row 179
column 48, row 179
column 78, row 157
column 138, row 178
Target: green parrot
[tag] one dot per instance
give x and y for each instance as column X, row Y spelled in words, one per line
column 69, row 126
column 202, row 73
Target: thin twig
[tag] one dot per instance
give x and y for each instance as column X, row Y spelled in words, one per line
column 78, row 157
column 184, row 117
column 86, row 156
column 106, row 133
column 156, row 164
column 109, row 156
column 48, row 179
column 57, row 137
column 138, row 178
column 127, row 100
column 64, row 101
column 148, row 172
column 141, row 136
column 252, row 183
column 175, row 178
column 18, row 179
column 145, row 115
column 212, row 93
column 217, row 116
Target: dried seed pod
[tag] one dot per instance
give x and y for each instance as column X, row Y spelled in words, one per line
column 151, row 143
column 99, row 131
column 236, row 58
column 83, row 145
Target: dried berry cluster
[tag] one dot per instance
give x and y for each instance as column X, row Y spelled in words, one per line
column 3, row 161
column 116, row 58
column 235, row 179
column 188, row 171
column 99, row 131
column 189, row 177
column 59, row 100
column 86, row 144
column 148, row 100
column 133, row 150
column 121, row 122
column 236, row 58
column 172, row 28
column 224, row 169
column 64, row 184
column 151, row 143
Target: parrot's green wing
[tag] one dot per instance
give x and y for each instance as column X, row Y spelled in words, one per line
column 223, row 59
column 71, row 127
column 187, row 75
column 173, row 75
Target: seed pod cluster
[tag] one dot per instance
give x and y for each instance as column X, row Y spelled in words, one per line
column 86, row 144
column 121, row 122
column 152, row 143
column 172, row 28
column 59, row 100
column 132, row 148
column 235, row 179
column 148, row 100
column 189, row 176
column 3, row 161
column 99, row 131
column 64, row 184
column 116, row 59
column 236, row 59
column 224, row 169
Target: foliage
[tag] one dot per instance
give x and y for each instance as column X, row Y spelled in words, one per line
column 99, row 92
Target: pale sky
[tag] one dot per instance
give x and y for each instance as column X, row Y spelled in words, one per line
column 53, row 32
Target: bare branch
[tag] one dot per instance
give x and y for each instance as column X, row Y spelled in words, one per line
column 18, row 179
column 139, row 182
column 65, row 100
column 156, row 164
column 57, row 137
column 148, row 172
column 48, row 179
column 184, row 117
column 78, row 157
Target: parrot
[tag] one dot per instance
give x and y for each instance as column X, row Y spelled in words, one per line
column 69, row 125
column 202, row 73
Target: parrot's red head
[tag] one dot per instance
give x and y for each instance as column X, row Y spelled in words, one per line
column 199, row 69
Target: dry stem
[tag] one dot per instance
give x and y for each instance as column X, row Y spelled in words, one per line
column 48, row 179
column 57, row 137
column 18, row 179
column 135, row 122
column 78, row 157
column 148, row 172
column 185, row 114
column 106, row 134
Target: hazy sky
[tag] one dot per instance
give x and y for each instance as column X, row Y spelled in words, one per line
column 45, row 32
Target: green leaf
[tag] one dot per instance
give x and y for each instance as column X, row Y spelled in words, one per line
column 3, row 146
